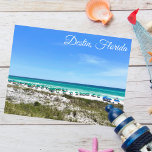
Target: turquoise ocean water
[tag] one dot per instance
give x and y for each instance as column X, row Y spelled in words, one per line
column 75, row 87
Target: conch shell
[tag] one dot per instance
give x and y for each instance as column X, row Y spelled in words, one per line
column 99, row 10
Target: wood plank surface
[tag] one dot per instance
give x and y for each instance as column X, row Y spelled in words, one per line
column 59, row 138
column 69, row 15
column 48, row 138
column 68, row 5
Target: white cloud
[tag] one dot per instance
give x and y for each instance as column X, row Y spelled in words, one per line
column 115, row 72
column 90, row 59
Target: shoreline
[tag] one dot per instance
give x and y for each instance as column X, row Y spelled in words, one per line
column 59, row 91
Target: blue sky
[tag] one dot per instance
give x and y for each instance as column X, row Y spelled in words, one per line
column 41, row 53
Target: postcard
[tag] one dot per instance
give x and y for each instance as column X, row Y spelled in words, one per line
column 67, row 76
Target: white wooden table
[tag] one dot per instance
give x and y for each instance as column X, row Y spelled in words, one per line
column 25, row 134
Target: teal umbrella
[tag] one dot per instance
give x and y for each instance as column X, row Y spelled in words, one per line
column 28, row 84
column 76, row 93
column 64, row 92
column 51, row 89
column 98, row 96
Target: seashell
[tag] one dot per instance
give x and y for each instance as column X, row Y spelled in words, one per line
column 149, row 26
column 99, row 10
column 150, row 110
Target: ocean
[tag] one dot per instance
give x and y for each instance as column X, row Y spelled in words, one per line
column 73, row 87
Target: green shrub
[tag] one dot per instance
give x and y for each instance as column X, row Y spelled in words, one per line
column 31, row 110
column 37, row 103
column 74, row 113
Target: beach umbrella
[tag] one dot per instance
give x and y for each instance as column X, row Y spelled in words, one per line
column 93, row 95
column 105, row 98
column 51, row 89
column 87, row 94
column 57, row 90
column 42, row 86
column 76, row 93
column 98, row 96
column 64, row 91
column 83, row 94
column 37, row 86
column 29, row 85
column 116, row 100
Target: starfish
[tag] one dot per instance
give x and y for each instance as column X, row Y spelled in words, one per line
column 150, row 53
column 95, row 147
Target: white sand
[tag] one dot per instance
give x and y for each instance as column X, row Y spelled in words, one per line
column 90, row 97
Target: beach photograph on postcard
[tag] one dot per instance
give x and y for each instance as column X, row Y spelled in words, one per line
column 67, row 76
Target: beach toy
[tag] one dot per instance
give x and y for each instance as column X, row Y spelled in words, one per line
column 145, row 41
column 99, row 10
column 135, row 138
column 95, row 147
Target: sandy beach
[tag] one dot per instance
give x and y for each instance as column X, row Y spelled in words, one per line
column 43, row 102
column 69, row 92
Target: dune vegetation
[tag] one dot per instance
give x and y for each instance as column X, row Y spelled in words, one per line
column 53, row 106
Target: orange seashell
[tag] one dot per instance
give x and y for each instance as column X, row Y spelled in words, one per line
column 99, row 10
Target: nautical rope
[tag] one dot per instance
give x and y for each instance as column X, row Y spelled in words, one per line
column 140, row 142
